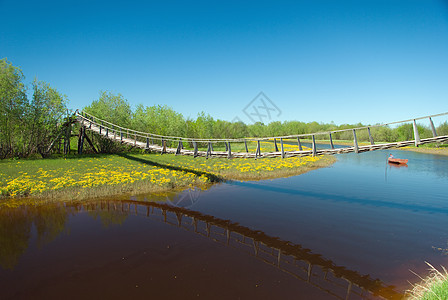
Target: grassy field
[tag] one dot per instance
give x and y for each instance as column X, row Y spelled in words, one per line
column 88, row 176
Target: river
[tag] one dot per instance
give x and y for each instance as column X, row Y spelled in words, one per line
column 354, row 230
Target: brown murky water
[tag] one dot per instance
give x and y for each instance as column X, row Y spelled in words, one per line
column 346, row 232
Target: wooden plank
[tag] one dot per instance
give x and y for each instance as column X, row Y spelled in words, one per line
column 314, row 146
column 229, row 154
column 245, row 144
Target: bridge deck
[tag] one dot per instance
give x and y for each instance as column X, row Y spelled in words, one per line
column 122, row 135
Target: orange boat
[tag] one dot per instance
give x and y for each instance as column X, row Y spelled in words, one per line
column 397, row 160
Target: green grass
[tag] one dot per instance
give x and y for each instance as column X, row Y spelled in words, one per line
column 433, row 287
column 89, row 176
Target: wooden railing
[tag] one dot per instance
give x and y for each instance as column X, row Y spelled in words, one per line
column 155, row 142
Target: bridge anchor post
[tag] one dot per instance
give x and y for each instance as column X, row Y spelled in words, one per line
column 433, row 129
column 416, row 135
column 299, row 144
column 355, row 142
column 370, row 137
column 314, row 146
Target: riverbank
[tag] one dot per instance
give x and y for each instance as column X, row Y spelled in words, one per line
column 441, row 150
column 434, row 286
column 91, row 176
column 427, row 148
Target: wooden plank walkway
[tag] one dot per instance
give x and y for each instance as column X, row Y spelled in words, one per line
column 146, row 141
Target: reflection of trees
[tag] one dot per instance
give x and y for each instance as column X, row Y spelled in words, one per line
column 108, row 217
column 49, row 222
column 15, row 226
column 15, row 229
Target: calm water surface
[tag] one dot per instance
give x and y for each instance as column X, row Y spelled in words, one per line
column 353, row 230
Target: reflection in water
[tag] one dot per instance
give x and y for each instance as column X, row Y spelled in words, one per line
column 290, row 258
column 187, row 199
column 392, row 165
column 15, row 229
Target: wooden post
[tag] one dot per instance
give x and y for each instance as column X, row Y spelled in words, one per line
column 81, row 139
column 227, row 148
column 179, row 147
column 258, row 151
column 229, row 154
column 100, row 128
column 245, row 144
column 163, row 146
column 147, row 142
column 195, row 146
column 349, row 289
column 68, row 134
column 107, row 131
column 300, row 144
column 433, row 129
column 209, row 150
column 331, row 141
column 211, row 147
column 314, row 147
column 416, row 135
column 121, row 135
column 275, row 144
column 370, row 137
column 135, row 139
column 283, row 149
column 355, row 142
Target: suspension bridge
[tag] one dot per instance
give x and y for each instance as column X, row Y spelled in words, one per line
column 159, row 143
column 293, row 259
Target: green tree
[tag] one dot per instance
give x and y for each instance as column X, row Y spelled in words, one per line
column 13, row 110
column 442, row 129
column 46, row 112
column 114, row 109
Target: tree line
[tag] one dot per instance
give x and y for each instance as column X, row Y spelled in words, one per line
column 28, row 125
column 163, row 120
column 31, row 125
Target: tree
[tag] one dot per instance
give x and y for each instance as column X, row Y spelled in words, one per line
column 13, row 109
column 45, row 114
column 114, row 109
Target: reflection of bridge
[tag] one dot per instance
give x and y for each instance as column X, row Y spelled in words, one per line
column 158, row 143
column 292, row 259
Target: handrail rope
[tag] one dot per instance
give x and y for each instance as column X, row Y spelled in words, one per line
column 241, row 140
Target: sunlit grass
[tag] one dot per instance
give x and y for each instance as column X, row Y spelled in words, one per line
column 79, row 177
column 433, row 287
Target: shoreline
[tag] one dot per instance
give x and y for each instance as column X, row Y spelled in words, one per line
column 97, row 176
column 421, row 149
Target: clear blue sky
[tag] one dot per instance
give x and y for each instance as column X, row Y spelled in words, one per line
column 342, row 61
